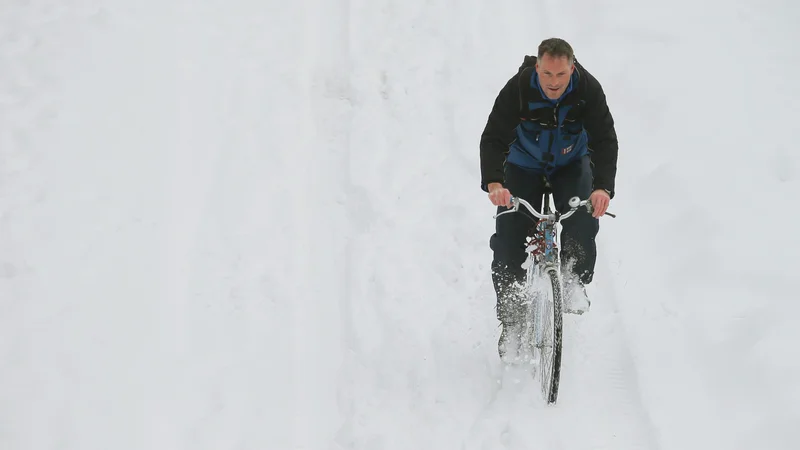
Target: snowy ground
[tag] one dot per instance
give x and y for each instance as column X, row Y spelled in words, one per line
column 258, row 225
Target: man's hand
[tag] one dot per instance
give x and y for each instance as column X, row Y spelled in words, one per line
column 600, row 200
column 499, row 195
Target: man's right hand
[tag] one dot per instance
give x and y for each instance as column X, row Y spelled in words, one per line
column 499, row 195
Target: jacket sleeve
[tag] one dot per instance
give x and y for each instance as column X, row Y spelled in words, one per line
column 603, row 145
column 499, row 133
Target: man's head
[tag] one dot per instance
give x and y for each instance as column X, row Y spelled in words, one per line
column 555, row 64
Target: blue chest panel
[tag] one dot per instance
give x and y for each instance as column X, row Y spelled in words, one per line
column 550, row 136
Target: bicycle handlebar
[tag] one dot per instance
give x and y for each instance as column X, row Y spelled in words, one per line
column 574, row 204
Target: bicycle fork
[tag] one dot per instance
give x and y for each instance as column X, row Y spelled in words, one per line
column 543, row 260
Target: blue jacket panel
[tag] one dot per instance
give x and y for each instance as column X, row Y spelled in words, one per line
column 548, row 140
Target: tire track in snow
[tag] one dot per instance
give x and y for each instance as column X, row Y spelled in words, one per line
column 600, row 375
column 26, row 390
column 254, row 354
column 333, row 102
column 325, row 175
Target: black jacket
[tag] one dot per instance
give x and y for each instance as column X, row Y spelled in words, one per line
column 500, row 130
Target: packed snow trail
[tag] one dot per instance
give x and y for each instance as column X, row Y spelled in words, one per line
column 424, row 371
column 258, row 225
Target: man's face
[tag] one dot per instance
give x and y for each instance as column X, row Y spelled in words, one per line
column 554, row 74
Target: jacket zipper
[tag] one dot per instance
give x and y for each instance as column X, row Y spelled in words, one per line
column 553, row 133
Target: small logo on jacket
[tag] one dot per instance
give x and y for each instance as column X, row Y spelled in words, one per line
column 567, row 150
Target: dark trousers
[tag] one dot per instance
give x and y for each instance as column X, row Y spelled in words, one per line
column 577, row 240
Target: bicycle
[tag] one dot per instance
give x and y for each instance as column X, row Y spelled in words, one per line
column 546, row 313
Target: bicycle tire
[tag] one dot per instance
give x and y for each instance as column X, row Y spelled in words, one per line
column 550, row 367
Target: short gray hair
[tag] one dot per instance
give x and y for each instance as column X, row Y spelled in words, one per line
column 556, row 48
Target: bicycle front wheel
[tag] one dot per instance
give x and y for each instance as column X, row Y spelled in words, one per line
column 548, row 342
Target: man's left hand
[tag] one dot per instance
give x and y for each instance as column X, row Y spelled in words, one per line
column 600, row 200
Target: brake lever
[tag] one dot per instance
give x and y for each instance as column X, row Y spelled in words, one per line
column 590, row 208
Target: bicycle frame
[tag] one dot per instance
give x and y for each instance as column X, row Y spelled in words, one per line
column 542, row 244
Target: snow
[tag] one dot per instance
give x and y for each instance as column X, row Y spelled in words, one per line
column 259, row 225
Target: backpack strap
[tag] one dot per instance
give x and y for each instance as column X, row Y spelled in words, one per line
column 525, row 93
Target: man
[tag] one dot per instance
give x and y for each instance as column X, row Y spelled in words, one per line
column 549, row 121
